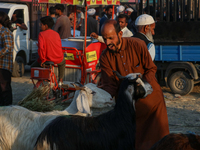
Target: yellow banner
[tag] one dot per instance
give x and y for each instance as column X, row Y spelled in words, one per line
column 93, row 2
column 91, row 56
column 54, row 1
column 77, row 2
column 104, row 2
column 70, row 56
column 82, row 2
column 114, row 2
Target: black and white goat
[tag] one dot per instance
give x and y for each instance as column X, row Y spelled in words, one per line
column 114, row 130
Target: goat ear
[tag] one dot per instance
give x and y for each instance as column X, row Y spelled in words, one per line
column 118, row 75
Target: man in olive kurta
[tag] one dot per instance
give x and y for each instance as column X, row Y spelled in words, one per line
column 130, row 55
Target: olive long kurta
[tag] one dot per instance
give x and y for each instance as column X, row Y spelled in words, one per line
column 151, row 113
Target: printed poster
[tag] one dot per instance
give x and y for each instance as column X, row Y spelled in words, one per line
column 91, row 56
column 70, row 56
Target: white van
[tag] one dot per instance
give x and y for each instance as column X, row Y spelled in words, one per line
column 25, row 49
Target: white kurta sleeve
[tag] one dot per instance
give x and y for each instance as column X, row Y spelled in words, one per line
column 151, row 48
column 100, row 39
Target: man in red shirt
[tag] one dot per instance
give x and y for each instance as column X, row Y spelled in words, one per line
column 49, row 47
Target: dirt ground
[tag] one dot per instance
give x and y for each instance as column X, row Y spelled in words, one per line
column 183, row 111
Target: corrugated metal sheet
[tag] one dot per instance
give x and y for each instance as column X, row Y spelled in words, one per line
column 73, row 75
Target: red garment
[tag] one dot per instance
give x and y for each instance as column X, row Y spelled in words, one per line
column 49, row 47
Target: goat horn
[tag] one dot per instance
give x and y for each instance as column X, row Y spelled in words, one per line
column 78, row 87
column 118, row 75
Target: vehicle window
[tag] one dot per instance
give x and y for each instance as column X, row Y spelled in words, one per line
column 19, row 15
column 4, row 10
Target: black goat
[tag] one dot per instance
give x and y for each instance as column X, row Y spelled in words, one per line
column 178, row 142
column 114, row 130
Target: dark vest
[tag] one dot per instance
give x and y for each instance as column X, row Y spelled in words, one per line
column 142, row 37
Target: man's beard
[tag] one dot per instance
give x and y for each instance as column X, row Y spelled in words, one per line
column 150, row 36
column 109, row 16
column 116, row 46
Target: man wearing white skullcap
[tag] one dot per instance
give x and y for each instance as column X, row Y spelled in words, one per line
column 129, row 11
column 120, row 9
column 91, row 12
column 92, row 23
column 145, row 25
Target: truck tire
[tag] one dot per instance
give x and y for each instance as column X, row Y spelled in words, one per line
column 181, row 83
column 18, row 67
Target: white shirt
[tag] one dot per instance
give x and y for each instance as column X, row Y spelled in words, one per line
column 79, row 17
column 126, row 33
column 151, row 48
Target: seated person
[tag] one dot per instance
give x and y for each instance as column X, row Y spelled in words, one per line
column 49, row 47
column 19, row 22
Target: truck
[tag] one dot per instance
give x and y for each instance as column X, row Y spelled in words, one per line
column 25, row 41
column 177, row 41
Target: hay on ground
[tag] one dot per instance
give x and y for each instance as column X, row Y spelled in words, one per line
column 36, row 100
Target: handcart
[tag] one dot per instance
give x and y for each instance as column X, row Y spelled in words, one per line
column 81, row 55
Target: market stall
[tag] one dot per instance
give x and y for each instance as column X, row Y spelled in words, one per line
column 81, row 53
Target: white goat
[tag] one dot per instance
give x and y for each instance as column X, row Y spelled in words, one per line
column 20, row 127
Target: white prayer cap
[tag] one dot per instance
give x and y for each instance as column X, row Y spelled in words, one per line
column 120, row 8
column 144, row 19
column 91, row 11
column 129, row 9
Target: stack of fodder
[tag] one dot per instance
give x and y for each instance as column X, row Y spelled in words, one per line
column 37, row 100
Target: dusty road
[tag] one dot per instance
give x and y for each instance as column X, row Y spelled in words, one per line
column 183, row 112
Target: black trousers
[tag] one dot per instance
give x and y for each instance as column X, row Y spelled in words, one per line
column 5, row 88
